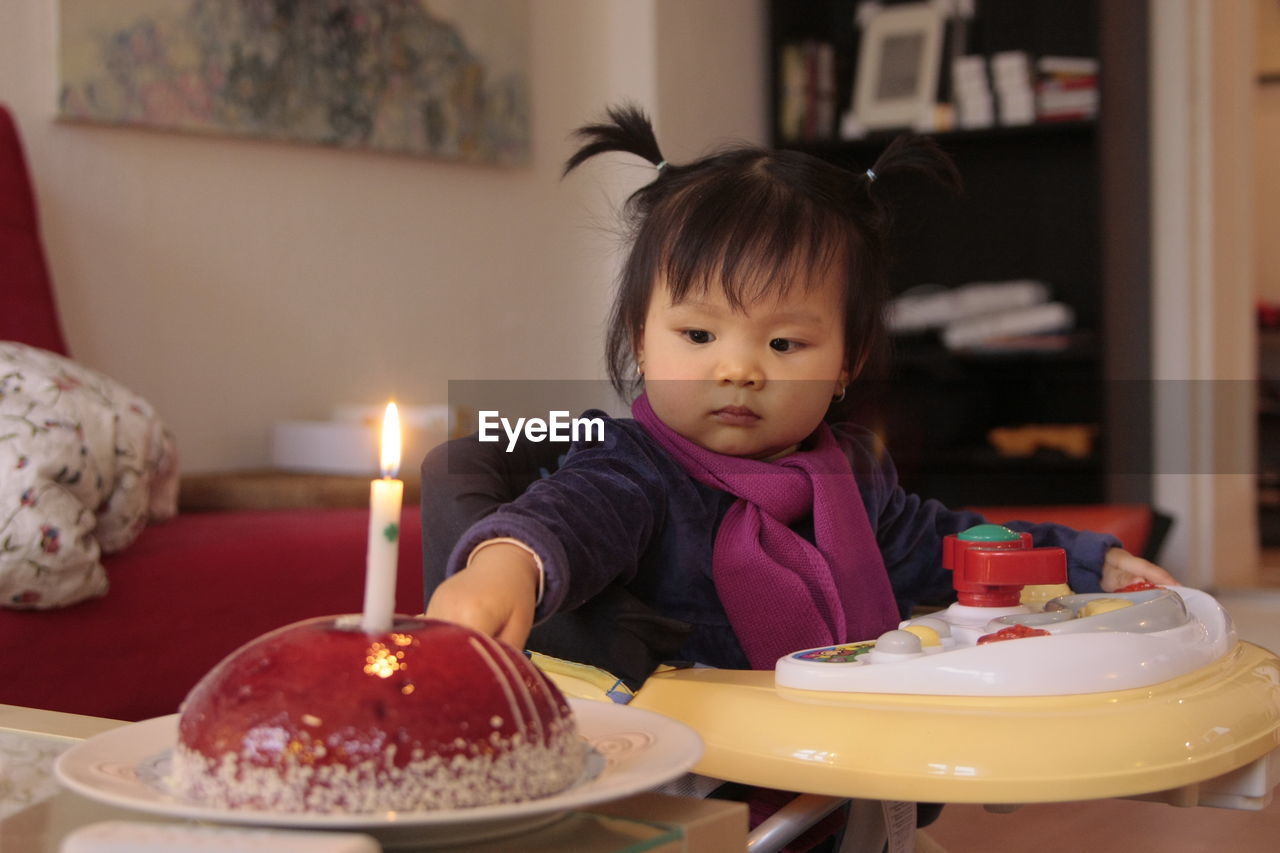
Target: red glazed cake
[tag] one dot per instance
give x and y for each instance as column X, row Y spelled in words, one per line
column 321, row 717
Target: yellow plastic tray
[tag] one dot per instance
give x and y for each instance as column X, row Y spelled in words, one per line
column 976, row 749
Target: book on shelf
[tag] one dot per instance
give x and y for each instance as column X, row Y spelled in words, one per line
column 1077, row 66
column 1067, row 88
column 807, row 109
column 1059, row 105
column 1068, row 84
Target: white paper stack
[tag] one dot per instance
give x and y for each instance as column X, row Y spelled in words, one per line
column 1011, row 76
column 922, row 309
column 1011, row 314
column 1015, row 322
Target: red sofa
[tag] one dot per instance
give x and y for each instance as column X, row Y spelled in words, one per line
column 187, row 591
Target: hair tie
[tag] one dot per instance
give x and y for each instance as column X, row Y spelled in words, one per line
column 661, row 166
column 871, row 176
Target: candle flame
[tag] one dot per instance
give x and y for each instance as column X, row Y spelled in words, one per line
column 390, row 459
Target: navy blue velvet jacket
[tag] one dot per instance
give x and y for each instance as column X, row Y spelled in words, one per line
column 626, row 536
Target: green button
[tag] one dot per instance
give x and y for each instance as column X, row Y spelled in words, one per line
column 988, row 533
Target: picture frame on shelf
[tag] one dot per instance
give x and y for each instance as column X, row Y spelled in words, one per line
column 899, row 60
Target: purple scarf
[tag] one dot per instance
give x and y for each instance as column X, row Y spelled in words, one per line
column 780, row 592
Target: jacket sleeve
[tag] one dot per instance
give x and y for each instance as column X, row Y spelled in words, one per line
column 464, row 480
column 588, row 522
column 910, row 530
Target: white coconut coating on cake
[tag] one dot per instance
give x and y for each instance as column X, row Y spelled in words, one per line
column 512, row 772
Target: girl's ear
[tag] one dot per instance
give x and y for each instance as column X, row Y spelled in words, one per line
column 637, row 352
column 847, row 375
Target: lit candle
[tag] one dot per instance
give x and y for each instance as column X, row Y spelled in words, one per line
column 385, row 497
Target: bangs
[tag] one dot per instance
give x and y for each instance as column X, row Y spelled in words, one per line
column 752, row 236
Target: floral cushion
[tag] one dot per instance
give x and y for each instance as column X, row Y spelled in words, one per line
column 84, row 465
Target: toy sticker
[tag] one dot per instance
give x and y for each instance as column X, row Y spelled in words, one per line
column 845, row 653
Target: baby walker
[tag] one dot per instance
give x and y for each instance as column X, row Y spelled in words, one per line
column 1003, row 698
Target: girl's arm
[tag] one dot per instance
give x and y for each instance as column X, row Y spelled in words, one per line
column 910, row 533
column 464, row 480
column 586, row 525
column 496, row 594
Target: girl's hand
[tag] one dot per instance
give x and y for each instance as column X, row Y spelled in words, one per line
column 496, row 594
column 1122, row 568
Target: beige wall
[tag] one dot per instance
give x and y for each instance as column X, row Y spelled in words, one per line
column 236, row 283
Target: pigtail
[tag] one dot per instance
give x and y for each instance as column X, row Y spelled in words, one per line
column 871, row 212
column 628, row 130
column 911, row 152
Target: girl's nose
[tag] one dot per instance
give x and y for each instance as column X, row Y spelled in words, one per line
column 740, row 370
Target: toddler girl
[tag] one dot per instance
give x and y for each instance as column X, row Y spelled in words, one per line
column 728, row 523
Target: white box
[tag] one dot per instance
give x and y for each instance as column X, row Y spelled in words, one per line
column 974, row 111
column 1011, row 66
column 349, row 443
column 1017, row 108
column 968, row 71
column 325, row 447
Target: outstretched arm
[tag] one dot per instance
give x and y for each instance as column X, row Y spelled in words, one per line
column 496, row 593
column 910, row 532
column 586, row 526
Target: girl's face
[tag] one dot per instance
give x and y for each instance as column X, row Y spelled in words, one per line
column 751, row 382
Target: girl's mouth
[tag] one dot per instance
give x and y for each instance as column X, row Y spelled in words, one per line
column 735, row 416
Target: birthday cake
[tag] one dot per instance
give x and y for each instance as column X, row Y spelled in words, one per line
column 322, row 717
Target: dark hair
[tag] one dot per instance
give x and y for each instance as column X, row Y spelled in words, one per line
column 756, row 219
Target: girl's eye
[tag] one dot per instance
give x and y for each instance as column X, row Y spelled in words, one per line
column 698, row 336
column 784, row 345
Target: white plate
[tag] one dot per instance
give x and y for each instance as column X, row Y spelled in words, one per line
column 632, row 750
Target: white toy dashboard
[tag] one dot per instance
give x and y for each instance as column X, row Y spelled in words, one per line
column 988, row 644
column 1155, row 636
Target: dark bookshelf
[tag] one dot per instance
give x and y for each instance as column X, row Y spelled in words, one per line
column 1063, row 202
column 875, row 141
column 1269, row 437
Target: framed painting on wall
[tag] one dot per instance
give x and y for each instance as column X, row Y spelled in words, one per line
column 442, row 78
